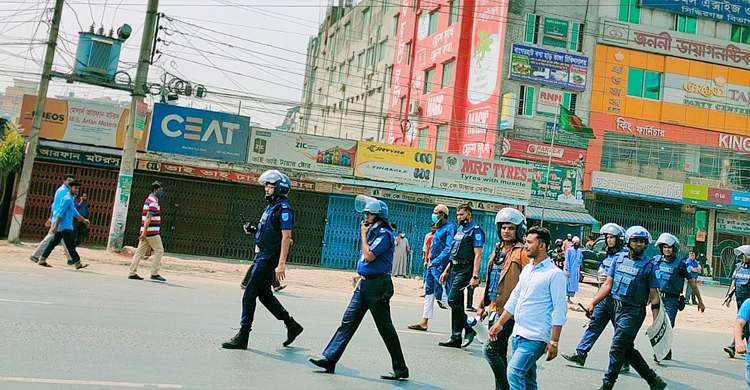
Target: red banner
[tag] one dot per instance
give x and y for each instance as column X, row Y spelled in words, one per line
column 537, row 151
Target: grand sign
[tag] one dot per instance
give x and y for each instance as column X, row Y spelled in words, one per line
column 673, row 43
column 716, row 94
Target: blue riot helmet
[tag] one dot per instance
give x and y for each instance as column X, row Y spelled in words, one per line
column 367, row 204
column 637, row 232
column 668, row 240
column 282, row 184
column 742, row 250
column 511, row 215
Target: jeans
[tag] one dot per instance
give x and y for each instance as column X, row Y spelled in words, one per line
column 671, row 304
column 374, row 296
column 522, row 366
column 628, row 320
column 604, row 313
column 68, row 238
column 496, row 354
column 45, row 242
column 259, row 287
column 460, row 276
column 432, row 284
column 469, row 297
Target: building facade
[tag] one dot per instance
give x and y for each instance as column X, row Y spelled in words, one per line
column 12, row 100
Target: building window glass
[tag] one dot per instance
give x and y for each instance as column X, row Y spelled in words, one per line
column 347, row 29
column 644, row 83
column 330, row 76
column 381, row 49
column 630, row 11
column 349, row 67
column 576, row 37
column 366, row 17
column 401, row 109
column 370, row 56
column 395, row 26
column 360, row 57
column 686, row 24
column 423, row 134
column 447, row 79
column 433, row 23
column 408, row 53
column 741, row 34
column 526, row 101
column 442, row 134
column 388, row 76
column 453, row 12
column 531, row 34
column 429, row 74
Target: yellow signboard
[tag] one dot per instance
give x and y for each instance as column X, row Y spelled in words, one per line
column 395, row 163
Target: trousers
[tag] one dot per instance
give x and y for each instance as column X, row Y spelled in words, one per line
column 460, row 277
column 671, row 304
column 522, row 366
column 45, row 242
column 373, row 296
column 628, row 320
column 157, row 251
column 68, row 239
column 259, row 289
column 496, row 354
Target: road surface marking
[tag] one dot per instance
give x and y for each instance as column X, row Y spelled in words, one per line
column 31, row 302
column 419, row 332
column 86, row 383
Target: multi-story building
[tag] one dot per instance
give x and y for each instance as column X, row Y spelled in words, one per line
column 670, row 110
column 12, row 99
column 348, row 72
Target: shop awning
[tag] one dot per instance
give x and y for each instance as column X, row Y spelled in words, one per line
column 560, row 216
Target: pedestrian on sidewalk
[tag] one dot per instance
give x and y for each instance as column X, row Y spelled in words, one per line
column 537, row 305
column 149, row 235
column 373, row 292
column 400, row 257
column 63, row 228
column 572, row 268
column 695, row 269
column 81, row 230
column 439, row 257
column 273, row 237
column 426, row 247
column 60, row 194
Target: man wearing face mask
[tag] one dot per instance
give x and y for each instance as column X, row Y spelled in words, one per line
column 740, row 287
column 439, row 256
column 463, row 268
column 672, row 272
column 273, row 237
column 150, row 237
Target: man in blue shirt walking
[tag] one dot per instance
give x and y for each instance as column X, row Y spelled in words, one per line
column 62, row 228
column 59, row 195
column 373, row 292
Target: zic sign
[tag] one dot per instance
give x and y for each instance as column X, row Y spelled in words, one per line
column 199, row 133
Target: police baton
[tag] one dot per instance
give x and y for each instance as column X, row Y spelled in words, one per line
column 585, row 310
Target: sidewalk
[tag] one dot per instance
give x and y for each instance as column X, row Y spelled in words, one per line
column 717, row 318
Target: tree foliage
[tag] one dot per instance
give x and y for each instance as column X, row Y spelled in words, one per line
column 11, row 147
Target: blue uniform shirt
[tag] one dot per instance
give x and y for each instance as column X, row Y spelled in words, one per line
column 380, row 239
column 744, row 314
column 277, row 217
column 690, row 264
column 639, row 296
column 66, row 212
column 441, row 245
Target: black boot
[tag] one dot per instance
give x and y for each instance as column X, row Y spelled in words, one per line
column 452, row 343
column 575, row 358
column 469, row 337
column 657, row 383
column 324, row 363
column 239, row 341
column 396, row 375
column 730, row 351
column 607, row 387
column 293, row 329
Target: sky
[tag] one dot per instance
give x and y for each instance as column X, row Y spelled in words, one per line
column 248, row 51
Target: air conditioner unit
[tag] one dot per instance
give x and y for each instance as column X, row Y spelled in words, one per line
column 415, row 108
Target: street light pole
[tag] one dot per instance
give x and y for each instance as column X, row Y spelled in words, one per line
column 28, row 162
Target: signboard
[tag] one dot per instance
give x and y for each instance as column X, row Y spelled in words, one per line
column 673, row 43
column 555, row 32
column 563, row 137
column 141, row 114
column 636, row 187
column 694, row 192
column 741, row 200
column 199, row 133
column 715, row 94
column 301, row 151
column 508, row 111
column 738, row 143
column 471, row 175
column 663, row 131
column 78, row 121
column 78, row 157
column 549, row 67
column 732, row 223
column 729, row 11
column 560, row 187
column 550, row 101
column 394, row 163
column 537, row 151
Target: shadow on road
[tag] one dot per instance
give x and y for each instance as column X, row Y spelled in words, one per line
column 687, row 366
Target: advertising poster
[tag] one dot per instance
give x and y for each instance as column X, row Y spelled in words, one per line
column 538, row 151
column 301, row 151
column 394, row 163
column 555, row 32
column 454, row 172
column 549, row 67
column 79, row 121
column 199, row 133
column 729, row 11
column 636, row 187
column 561, row 186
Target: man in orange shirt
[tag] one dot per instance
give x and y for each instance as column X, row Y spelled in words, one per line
column 503, row 272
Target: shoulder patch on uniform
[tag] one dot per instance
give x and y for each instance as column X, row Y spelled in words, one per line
column 377, row 241
column 285, row 217
column 478, row 236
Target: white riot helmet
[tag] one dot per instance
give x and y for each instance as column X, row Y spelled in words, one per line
column 668, row 240
column 637, row 232
column 742, row 250
column 511, row 215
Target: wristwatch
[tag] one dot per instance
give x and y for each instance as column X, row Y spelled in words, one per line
column 553, row 343
column 475, row 277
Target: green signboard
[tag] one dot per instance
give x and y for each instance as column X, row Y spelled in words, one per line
column 555, row 32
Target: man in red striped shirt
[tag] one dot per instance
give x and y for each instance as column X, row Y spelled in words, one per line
column 150, row 238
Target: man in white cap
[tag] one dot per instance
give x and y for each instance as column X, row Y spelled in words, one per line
column 572, row 268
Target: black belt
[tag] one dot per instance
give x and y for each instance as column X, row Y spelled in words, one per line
column 623, row 304
column 668, row 295
column 374, row 277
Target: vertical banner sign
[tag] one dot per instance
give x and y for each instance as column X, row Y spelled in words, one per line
column 393, row 163
column 124, row 184
column 485, row 74
column 141, row 114
column 508, row 111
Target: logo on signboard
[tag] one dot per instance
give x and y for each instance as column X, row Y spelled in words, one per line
column 375, row 148
column 451, row 164
column 707, row 90
column 194, row 129
column 259, row 146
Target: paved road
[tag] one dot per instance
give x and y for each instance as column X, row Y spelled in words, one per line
column 65, row 329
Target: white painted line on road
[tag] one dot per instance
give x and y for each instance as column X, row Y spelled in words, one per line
column 86, row 383
column 31, row 302
column 21, row 273
column 419, row 332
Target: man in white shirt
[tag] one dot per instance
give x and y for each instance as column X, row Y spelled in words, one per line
column 538, row 307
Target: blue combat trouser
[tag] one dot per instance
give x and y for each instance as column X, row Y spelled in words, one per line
column 259, row 288
column 628, row 321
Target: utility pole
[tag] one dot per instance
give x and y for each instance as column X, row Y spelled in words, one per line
column 28, row 162
column 127, row 166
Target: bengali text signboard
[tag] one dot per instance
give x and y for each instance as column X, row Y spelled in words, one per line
column 636, row 187
column 507, row 179
column 729, row 11
column 301, row 151
column 549, row 67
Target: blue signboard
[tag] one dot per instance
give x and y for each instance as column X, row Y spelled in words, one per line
column 549, row 67
column 199, row 133
column 729, row 11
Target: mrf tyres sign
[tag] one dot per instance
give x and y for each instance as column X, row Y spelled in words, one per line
column 454, row 172
column 199, row 133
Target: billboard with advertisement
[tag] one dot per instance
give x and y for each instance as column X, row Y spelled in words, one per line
column 199, row 133
column 507, row 179
column 729, row 11
column 561, row 186
column 549, row 67
column 636, row 187
column 733, row 223
column 394, row 163
column 301, row 151
column 79, row 121
column 537, row 151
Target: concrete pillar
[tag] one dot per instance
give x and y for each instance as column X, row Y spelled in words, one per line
column 710, row 239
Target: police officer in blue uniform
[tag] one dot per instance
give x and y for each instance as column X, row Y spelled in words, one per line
column 632, row 281
column 273, row 236
column 465, row 262
column 740, row 287
column 373, row 292
column 672, row 272
column 604, row 311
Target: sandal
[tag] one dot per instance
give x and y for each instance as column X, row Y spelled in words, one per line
column 80, row 266
column 45, row 265
column 416, row 327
